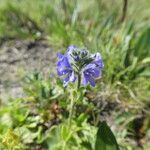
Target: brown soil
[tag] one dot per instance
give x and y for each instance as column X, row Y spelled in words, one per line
column 17, row 58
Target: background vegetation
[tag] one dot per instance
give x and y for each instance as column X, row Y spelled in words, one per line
column 121, row 36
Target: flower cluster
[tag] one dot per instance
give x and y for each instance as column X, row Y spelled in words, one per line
column 79, row 64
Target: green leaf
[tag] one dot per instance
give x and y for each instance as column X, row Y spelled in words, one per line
column 105, row 139
column 145, row 74
column 142, row 47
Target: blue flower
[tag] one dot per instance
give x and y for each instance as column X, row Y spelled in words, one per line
column 89, row 73
column 79, row 63
column 65, row 69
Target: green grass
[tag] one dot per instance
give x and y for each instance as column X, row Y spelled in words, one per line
column 125, row 46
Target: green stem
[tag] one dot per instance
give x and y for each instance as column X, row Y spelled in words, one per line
column 64, row 146
column 71, row 108
column 71, row 111
column 79, row 81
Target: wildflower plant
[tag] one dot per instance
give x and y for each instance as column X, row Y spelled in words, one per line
column 78, row 64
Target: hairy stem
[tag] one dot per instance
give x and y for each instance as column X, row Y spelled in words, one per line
column 71, row 108
column 72, row 100
column 79, row 81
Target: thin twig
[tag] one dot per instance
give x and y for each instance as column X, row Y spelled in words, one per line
column 124, row 10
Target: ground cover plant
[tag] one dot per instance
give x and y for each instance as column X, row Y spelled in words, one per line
column 98, row 96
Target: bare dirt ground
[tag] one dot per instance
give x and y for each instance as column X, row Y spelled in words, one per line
column 19, row 57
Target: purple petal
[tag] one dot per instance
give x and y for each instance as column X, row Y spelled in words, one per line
column 60, row 56
column 89, row 66
column 63, row 62
column 72, row 77
column 84, row 79
column 90, row 72
column 63, row 65
column 95, row 72
column 71, row 48
column 98, row 60
column 69, row 78
column 92, row 81
column 66, row 81
column 61, row 71
column 88, row 78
